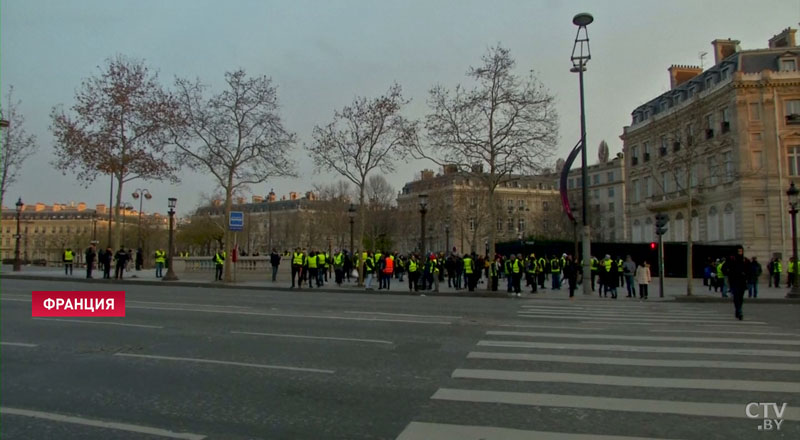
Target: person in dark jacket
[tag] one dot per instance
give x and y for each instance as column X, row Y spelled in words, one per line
column 571, row 274
column 120, row 259
column 736, row 271
column 752, row 278
column 275, row 261
column 90, row 257
column 105, row 260
column 613, row 279
column 139, row 259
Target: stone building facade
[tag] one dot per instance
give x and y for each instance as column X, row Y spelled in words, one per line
column 606, row 199
column 718, row 151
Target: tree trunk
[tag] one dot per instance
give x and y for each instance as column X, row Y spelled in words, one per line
column 689, row 238
column 492, row 221
column 361, row 224
column 117, row 236
column 227, row 274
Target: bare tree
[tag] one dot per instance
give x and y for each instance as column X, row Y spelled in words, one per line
column 236, row 136
column 364, row 137
column 117, row 127
column 18, row 145
column 380, row 192
column 504, row 125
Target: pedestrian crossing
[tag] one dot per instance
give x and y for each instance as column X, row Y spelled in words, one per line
column 617, row 371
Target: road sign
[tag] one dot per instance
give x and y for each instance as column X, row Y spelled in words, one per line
column 236, row 221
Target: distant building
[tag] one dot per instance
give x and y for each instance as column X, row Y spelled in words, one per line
column 47, row 230
column 729, row 137
column 526, row 206
column 606, row 199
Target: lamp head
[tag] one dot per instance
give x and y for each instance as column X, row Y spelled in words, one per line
column 582, row 19
column 172, row 202
column 793, row 193
column 19, row 204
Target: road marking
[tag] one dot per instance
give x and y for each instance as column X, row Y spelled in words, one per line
column 726, row 332
column 642, row 348
column 645, row 338
column 98, row 322
column 18, row 344
column 551, row 326
column 100, row 423
column 403, row 314
column 632, row 381
column 278, row 335
column 187, row 304
column 633, row 320
column 638, row 316
column 284, row 315
column 618, row 309
column 16, row 299
column 703, row 409
column 212, row 361
column 668, row 363
column 442, row 431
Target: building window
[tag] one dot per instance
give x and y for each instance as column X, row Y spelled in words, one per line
column 634, row 155
column 678, row 227
column 755, row 111
column 788, row 64
column 709, row 126
column 727, row 159
column 579, row 181
column 521, row 204
column 611, row 192
column 610, row 176
column 665, row 182
column 521, row 225
column 663, row 149
column 636, row 191
column 755, row 137
column 646, row 148
column 596, row 179
column 611, row 222
column 571, row 184
column 712, row 170
column 510, row 205
column 689, row 134
column 473, row 202
column 611, row 206
column 545, row 206
column 649, row 230
column 793, row 111
column 712, row 224
column 472, row 224
column 728, row 223
column 726, row 120
column 510, row 225
column 794, row 161
column 648, row 187
column 636, row 233
column 499, row 225
column 596, row 194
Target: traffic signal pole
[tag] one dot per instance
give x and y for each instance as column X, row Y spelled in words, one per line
column 661, row 266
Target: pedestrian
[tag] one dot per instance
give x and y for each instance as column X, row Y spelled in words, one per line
column 643, row 279
column 571, row 274
column 613, row 279
column 517, row 269
column 298, row 260
column 777, row 269
column 469, row 272
column 369, row 269
column 790, row 272
column 120, row 260
column 160, row 259
column 388, row 270
column 721, row 277
column 275, row 261
column 555, row 272
column 338, row 266
column 770, row 265
column 219, row 264
column 90, row 257
column 413, row 273
column 737, row 279
column 140, row 259
column 69, row 257
column 629, row 270
column 494, row 272
column 313, row 270
column 105, row 260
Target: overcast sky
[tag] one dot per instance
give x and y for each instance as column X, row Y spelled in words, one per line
column 321, row 54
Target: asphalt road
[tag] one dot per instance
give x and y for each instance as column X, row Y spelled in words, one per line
column 238, row 364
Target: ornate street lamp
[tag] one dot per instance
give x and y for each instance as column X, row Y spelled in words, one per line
column 17, row 263
column 351, row 212
column 793, row 193
column 423, row 209
column 170, row 276
column 580, row 56
column 141, row 194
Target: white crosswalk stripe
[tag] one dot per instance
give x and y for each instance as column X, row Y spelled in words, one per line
column 564, row 376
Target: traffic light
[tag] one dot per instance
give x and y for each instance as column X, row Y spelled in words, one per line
column 652, row 245
column 661, row 223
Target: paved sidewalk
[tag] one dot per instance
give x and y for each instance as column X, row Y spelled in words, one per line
column 675, row 288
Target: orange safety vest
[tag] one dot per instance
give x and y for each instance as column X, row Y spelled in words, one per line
column 389, row 268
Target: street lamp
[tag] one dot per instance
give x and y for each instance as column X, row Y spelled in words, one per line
column 141, row 194
column 793, row 193
column 351, row 212
column 447, row 237
column 17, row 263
column 423, row 209
column 580, row 56
column 170, row 276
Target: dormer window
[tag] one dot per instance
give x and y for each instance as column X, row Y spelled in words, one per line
column 793, row 111
column 788, row 64
column 709, row 82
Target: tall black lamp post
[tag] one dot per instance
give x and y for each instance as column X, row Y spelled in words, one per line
column 17, row 263
column 351, row 212
column 423, row 209
column 580, row 56
column 170, row 276
column 793, row 193
column 447, row 237
column 140, row 194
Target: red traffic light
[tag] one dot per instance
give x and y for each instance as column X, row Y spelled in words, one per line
column 652, row 246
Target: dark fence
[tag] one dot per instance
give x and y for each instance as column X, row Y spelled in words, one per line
column 674, row 253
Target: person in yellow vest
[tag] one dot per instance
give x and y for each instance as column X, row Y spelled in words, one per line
column 338, row 266
column 313, row 269
column 530, row 272
column 721, row 277
column 69, row 258
column 790, row 272
column 298, row 261
column 777, row 268
column 541, row 265
column 161, row 258
column 555, row 272
column 595, row 267
column 413, row 273
column 469, row 272
column 494, row 273
column 219, row 263
column 517, row 266
column 322, row 265
column 369, row 270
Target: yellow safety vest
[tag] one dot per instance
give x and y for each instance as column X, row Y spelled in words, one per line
column 68, row 256
column 219, row 258
column 515, row 266
column 298, row 258
column 468, row 266
column 312, row 262
column 160, row 256
column 412, row 266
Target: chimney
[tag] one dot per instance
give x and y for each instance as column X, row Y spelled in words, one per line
column 216, row 202
column 784, row 39
column 81, row 206
column 292, row 195
column 39, row 207
column 679, row 74
column 724, row 48
column 450, row 169
column 310, row 196
column 477, row 168
column 272, row 196
column 426, row 174
column 258, row 199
